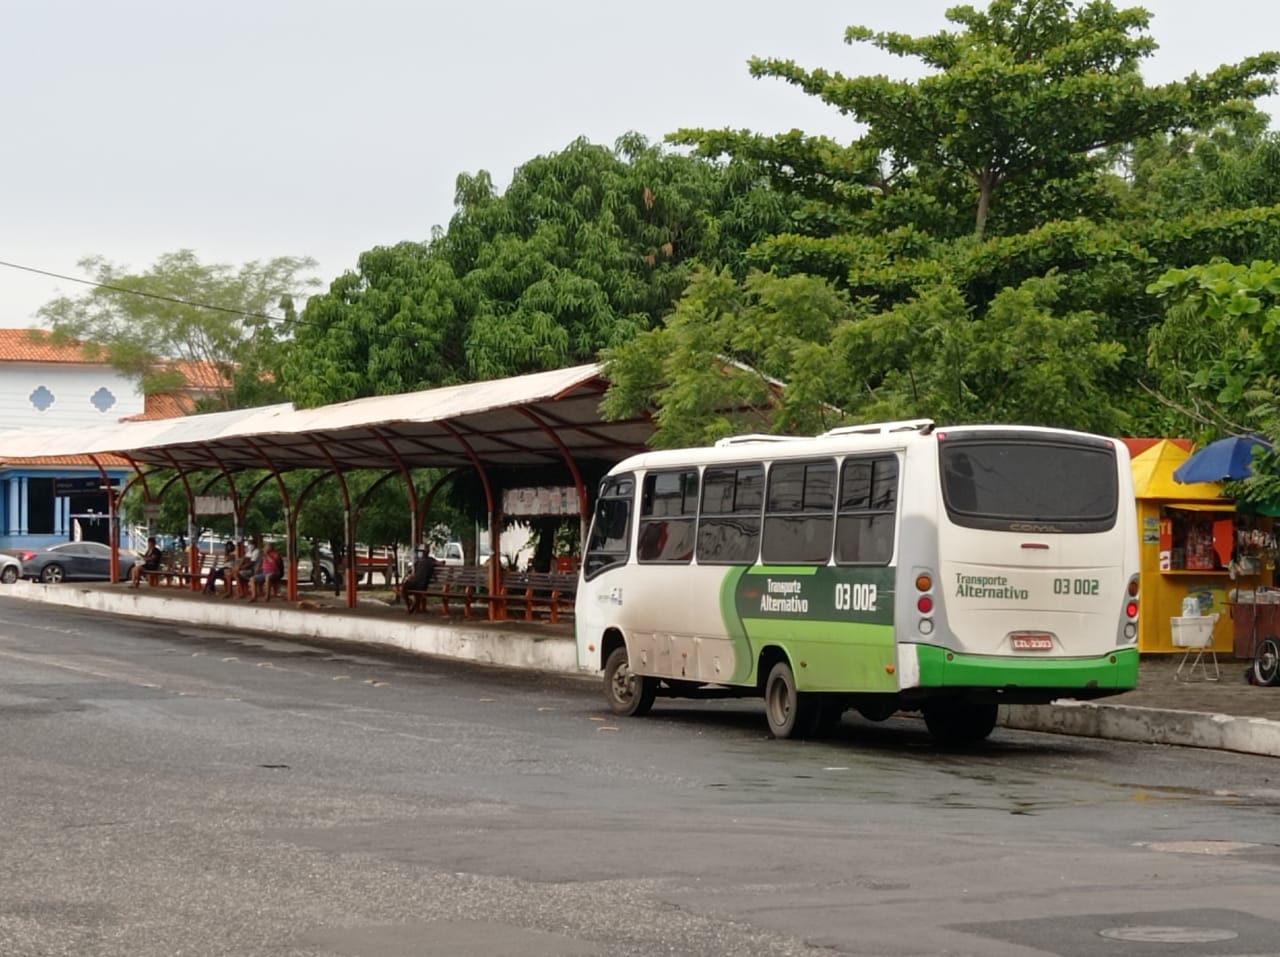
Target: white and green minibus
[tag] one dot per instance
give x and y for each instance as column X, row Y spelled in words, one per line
column 892, row 567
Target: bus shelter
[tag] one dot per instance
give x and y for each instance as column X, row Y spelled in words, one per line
column 530, row 422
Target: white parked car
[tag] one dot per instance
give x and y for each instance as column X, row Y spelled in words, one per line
column 10, row 569
column 450, row 553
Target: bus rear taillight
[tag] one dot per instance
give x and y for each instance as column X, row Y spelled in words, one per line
column 1130, row 630
column 924, row 602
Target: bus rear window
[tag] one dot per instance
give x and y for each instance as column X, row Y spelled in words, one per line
column 1005, row 483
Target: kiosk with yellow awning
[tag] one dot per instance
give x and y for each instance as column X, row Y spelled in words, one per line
column 1192, row 544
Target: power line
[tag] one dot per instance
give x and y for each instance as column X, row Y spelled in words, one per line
column 139, row 292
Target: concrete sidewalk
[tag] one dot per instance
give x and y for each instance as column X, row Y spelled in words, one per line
column 1227, row 714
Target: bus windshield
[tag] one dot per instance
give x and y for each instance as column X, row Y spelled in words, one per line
column 1000, row 483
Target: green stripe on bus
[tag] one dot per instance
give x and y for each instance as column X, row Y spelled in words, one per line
column 743, row 660
column 940, row 668
column 827, row 656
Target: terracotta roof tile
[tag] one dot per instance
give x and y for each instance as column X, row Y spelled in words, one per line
column 163, row 405
column 33, row 345
column 113, row 461
column 200, row 376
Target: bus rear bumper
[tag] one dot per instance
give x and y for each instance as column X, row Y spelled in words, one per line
column 1027, row 679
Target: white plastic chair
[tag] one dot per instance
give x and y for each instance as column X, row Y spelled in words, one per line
column 1195, row 634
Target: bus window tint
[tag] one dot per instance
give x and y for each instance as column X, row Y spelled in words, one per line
column 992, row 483
column 868, row 511
column 610, row 539
column 668, row 511
column 799, row 513
column 729, row 524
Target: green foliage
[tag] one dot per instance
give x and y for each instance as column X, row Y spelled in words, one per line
column 1215, row 356
column 1215, row 353
column 1021, row 102
column 141, row 323
column 997, row 223
column 394, row 324
column 1022, row 360
column 715, row 368
column 585, row 249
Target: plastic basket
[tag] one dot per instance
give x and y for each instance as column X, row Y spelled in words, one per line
column 1194, row 632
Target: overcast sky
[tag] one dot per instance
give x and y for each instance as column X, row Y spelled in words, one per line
column 249, row 129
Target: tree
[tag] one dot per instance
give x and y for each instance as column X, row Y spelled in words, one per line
column 1233, row 165
column 585, row 249
column 716, row 366
column 182, row 310
column 391, row 326
column 1215, row 354
column 1029, row 93
column 1023, row 193
column 711, row 371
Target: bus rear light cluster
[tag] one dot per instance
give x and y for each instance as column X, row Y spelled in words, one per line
column 1131, row 611
column 924, row 603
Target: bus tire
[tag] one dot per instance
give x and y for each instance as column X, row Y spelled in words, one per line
column 790, row 713
column 1266, row 662
column 959, row 722
column 627, row 692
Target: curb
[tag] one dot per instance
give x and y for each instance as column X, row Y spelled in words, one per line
column 490, row 646
column 1188, row 729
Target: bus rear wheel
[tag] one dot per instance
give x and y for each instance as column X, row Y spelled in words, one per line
column 951, row 721
column 627, row 692
column 791, row 714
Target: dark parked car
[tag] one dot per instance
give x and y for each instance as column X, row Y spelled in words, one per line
column 74, row 561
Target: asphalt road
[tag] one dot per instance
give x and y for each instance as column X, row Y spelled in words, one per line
column 168, row 790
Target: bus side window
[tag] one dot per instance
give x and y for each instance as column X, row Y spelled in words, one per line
column 799, row 513
column 729, row 520
column 610, row 539
column 868, row 511
column 668, row 511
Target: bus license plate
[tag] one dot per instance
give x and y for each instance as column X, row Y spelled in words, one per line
column 1031, row 641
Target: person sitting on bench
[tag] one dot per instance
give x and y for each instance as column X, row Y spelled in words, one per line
column 266, row 581
column 221, row 571
column 150, row 563
column 419, row 578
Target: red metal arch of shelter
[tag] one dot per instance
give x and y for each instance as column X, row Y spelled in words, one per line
column 542, row 419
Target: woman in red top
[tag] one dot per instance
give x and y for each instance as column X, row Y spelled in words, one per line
column 266, row 581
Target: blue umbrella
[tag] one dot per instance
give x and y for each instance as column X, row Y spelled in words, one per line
column 1226, row 459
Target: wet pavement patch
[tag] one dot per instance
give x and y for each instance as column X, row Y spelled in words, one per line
column 1176, row 933
column 460, row 938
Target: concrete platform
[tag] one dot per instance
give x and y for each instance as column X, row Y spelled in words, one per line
column 1227, row 714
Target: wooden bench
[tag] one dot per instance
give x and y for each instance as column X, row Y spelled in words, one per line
column 174, row 568
column 540, row 593
column 458, row 588
column 380, row 560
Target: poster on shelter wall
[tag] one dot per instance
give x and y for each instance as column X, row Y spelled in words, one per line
column 553, row 500
column 215, row 505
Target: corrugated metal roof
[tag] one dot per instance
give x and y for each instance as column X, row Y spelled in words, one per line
column 502, row 421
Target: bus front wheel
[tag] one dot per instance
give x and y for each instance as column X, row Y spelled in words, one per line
column 791, row 714
column 628, row 693
column 959, row 722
